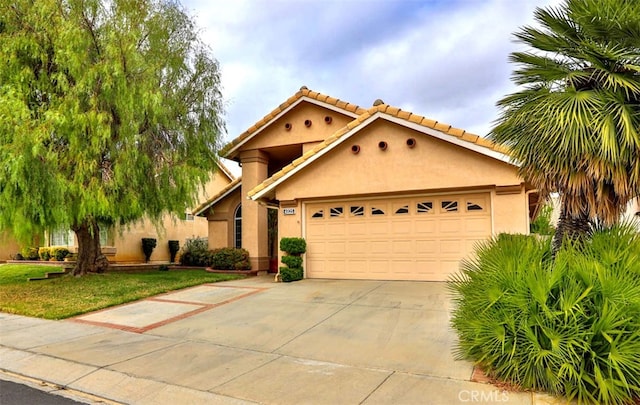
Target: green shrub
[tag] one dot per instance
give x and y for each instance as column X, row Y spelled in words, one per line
column 44, row 253
column 291, row 274
column 542, row 224
column 30, row 253
column 567, row 326
column 230, row 259
column 163, row 267
column 292, row 261
column 293, row 246
column 174, row 248
column 59, row 252
column 195, row 252
column 148, row 244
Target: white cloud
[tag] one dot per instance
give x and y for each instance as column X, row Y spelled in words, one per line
column 443, row 59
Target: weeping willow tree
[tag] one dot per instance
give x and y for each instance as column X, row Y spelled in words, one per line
column 573, row 126
column 110, row 111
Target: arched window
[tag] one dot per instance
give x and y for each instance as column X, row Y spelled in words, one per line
column 237, row 227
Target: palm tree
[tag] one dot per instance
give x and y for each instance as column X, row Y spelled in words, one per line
column 573, row 126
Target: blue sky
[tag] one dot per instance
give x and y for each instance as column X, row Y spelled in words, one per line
column 446, row 60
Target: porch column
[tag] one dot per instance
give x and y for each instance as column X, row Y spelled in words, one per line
column 254, row 216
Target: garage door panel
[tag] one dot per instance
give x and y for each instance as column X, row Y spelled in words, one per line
column 451, row 246
column 416, row 238
column 358, row 247
column 401, row 227
column 334, row 248
column 450, row 225
column 355, row 229
column 476, row 225
column 335, row 229
column 426, row 246
column 379, row 266
column 427, row 226
column 378, row 246
column 402, row 247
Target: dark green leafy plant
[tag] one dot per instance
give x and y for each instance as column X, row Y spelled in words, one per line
column 59, row 253
column 291, row 274
column 292, row 261
column 293, row 246
column 195, row 252
column 174, row 248
column 568, row 326
column 30, row 253
column 148, row 244
column 44, row 253
column 230, row 259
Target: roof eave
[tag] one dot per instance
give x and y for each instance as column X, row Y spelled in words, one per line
column 232, row 153
column 199, row 211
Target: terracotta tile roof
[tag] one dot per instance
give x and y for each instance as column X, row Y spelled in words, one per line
column 200, row 209
column 390, row 111
column 303, row 92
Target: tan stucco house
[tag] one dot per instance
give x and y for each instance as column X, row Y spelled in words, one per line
column 378, row 193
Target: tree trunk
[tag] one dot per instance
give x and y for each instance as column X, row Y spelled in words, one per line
column 571, row 228
column 90, row 258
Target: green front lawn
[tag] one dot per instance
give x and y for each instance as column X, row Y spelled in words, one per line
column 69, row 296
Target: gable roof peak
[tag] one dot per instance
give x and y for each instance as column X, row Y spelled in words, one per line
column 304, row 94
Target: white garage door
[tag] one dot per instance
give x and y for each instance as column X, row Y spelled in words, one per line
column 412, row 238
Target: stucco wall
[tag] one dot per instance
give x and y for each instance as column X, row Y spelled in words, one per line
column 510, row 212
column 431, row 165
column 276, row 135
column 221, row 221
column 129, row 244
column 8, row 246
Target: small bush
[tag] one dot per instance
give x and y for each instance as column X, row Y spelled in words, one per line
column 195, row 252
column 230, row 259
column 148, row 244
column 291, row 274
column 163, row 267
column 18, row 256
column 174, row 248
column 292, row 261
column 542, row 224
column 59, row 253
column 568, row 326
column 293, row 246
column 44, row 253
column 30, row 253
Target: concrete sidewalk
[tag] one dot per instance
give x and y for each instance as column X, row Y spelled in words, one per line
column 255, row 341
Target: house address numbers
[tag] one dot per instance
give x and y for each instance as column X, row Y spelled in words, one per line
column 289, row 211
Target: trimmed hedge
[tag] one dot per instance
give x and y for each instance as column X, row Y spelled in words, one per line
column 29, row 253
column 292, row 261
column 148, row 244
column 59, row 252
column 293, row 246
column 291, row 274
column 174, row 248
column 44, row 253
column 230, row 259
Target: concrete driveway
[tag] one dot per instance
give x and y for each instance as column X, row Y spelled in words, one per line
column 255, row 341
